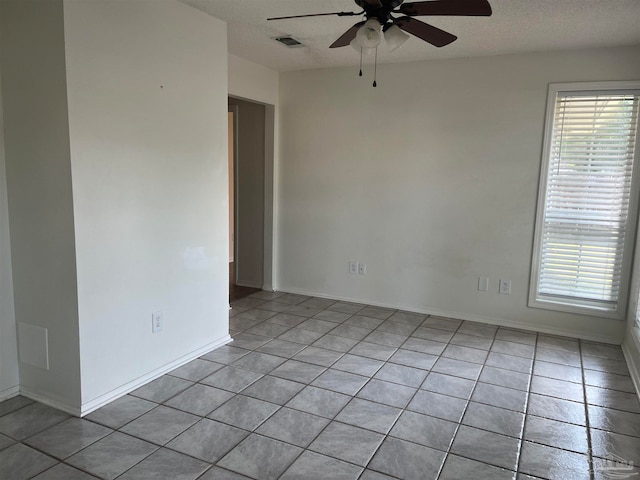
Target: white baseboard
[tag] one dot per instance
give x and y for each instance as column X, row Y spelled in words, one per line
column 462, row 316
column 249, row 284
column 52, row 402
column 108, row 397
column 10, row 392
column 114, row 394
column 631, row 350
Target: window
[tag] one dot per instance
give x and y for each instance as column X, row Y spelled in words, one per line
column 585, row 224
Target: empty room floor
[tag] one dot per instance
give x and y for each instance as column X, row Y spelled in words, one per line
column 313, row 388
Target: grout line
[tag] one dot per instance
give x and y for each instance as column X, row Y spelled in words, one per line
column 586, row 415
column 468, row 401
column 527, row 404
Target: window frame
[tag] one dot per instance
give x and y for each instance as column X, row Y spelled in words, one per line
column 582, row 306
column 636, row 315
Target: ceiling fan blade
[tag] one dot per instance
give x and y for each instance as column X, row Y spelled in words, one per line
column 426, row 32
column 479, row 8
column 347, row 36
column 339, row 14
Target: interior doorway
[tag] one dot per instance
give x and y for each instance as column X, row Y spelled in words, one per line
column 251, row 152
column 235, row 291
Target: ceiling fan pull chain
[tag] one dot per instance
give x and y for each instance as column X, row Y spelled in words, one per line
column 360, row 62
column 375, row 70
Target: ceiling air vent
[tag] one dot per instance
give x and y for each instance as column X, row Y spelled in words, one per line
column 289, row 42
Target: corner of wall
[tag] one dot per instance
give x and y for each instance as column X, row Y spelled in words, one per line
column 9, row 372
column 631, row 349
column 39, row 201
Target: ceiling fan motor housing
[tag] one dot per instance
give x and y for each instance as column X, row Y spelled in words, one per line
column 388, row 4
column 379, row 9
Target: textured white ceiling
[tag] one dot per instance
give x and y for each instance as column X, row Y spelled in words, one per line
column 515, row 26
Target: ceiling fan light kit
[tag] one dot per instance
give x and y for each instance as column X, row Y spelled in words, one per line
column 379, row 16
column 395, row 37
column 360, row 49
column 370, row 34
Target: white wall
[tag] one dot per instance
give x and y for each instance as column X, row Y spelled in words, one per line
column 148, row 127
column 39, row 195
column 631, row 348
column 9, row 378
column 252, row 81
column 430, row 179
column 631, row 344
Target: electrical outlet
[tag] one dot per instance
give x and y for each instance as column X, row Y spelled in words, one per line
column 505, row 287
column 483, row 284
column 353, row 268
column 157, row 322
column 362, row 269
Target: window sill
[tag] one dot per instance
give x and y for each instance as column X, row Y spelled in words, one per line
column 567, row 307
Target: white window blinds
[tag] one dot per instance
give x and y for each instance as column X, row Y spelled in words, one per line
column 587, row 201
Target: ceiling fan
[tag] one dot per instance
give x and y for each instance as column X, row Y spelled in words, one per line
column 379, row 15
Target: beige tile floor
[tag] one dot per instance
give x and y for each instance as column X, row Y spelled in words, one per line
column 313, row 388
